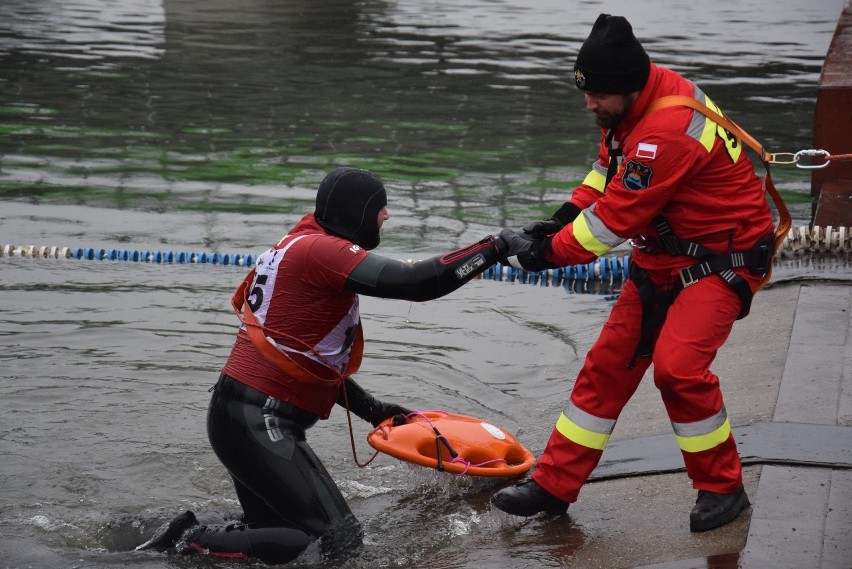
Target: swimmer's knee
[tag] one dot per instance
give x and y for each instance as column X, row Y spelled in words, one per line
column 278, row 544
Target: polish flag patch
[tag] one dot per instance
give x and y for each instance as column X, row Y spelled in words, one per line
column 647, row 151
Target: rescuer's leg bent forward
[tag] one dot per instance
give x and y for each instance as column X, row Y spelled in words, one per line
column 603, row 387
column 697, row 325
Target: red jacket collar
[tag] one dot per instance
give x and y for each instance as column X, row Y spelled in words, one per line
column 308, row 224
column 637, row 111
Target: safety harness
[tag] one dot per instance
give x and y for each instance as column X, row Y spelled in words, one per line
column 758, row 259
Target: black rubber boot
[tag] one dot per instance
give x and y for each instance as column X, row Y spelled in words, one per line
column 713, row 510
column 528, row 499
column 167, row 535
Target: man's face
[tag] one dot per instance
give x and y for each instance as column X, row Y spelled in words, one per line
column 382, row 217
column 609, row 109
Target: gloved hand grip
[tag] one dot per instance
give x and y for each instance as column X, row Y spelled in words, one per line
column 560, row 218
column 543, row 228
column 364, row 405
column 525, row 252
column 516, row 242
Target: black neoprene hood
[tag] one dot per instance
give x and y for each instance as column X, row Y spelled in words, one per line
column 348, row 204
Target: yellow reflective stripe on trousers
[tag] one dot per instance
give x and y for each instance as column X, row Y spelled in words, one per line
column 703, row 435
column 583, row 428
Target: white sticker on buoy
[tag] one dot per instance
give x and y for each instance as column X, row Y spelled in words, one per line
column 495, row 432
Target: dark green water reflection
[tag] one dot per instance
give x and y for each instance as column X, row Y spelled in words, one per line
column 242, row 106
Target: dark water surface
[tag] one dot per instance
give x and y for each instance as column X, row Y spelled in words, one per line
column 205, row 126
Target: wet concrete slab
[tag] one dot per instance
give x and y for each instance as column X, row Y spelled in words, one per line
column 797, row 457
column 800, row 444
column 815, row 386
column 837, row 544
column 802, row 517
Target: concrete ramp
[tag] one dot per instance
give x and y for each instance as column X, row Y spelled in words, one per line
column 791, row 444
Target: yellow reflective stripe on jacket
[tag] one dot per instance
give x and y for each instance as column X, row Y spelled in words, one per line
column 583, row 428
column 596, row 178
column 705, row 130
column 591, row 233
column 703, row 435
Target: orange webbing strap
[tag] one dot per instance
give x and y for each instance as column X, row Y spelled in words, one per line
column 310, row 371
column 784, row 221
column 323, row 374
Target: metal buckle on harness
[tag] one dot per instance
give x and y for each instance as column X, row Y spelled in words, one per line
column 765, row 251
column 637, row 242
column 686, row 278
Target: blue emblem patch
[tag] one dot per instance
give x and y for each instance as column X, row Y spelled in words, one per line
column 636, row 175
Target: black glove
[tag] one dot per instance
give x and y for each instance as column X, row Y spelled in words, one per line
column 526, row 252
column 500, row 245
column 553, row 224
column 365, row 405
column 515, row 242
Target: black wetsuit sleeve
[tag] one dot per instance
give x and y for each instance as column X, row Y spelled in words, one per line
column 423, row 280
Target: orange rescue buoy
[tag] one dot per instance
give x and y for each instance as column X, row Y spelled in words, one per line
column 453, row 443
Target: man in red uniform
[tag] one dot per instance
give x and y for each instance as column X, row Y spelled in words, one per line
column 683, row 189
column 292, row 360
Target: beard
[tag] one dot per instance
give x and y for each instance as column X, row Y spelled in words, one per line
column 608, row 122
column 613, row 119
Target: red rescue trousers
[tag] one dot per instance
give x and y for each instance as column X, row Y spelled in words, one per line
column 698, row 323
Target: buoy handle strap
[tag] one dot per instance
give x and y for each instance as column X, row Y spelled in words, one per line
column 443, row 440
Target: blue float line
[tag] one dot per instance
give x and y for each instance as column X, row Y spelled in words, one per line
column 162, row 257
column 605, row 269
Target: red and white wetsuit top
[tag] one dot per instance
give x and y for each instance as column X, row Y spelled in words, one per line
column 298, row 296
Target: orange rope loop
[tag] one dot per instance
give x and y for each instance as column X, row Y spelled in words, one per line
column 839, row 157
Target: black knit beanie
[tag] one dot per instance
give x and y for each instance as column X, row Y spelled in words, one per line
column 611, row 60
column 348, row 205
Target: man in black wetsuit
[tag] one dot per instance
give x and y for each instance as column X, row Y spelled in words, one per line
column 293, row 358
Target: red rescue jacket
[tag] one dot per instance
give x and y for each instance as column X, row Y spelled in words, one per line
column 676, row 162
